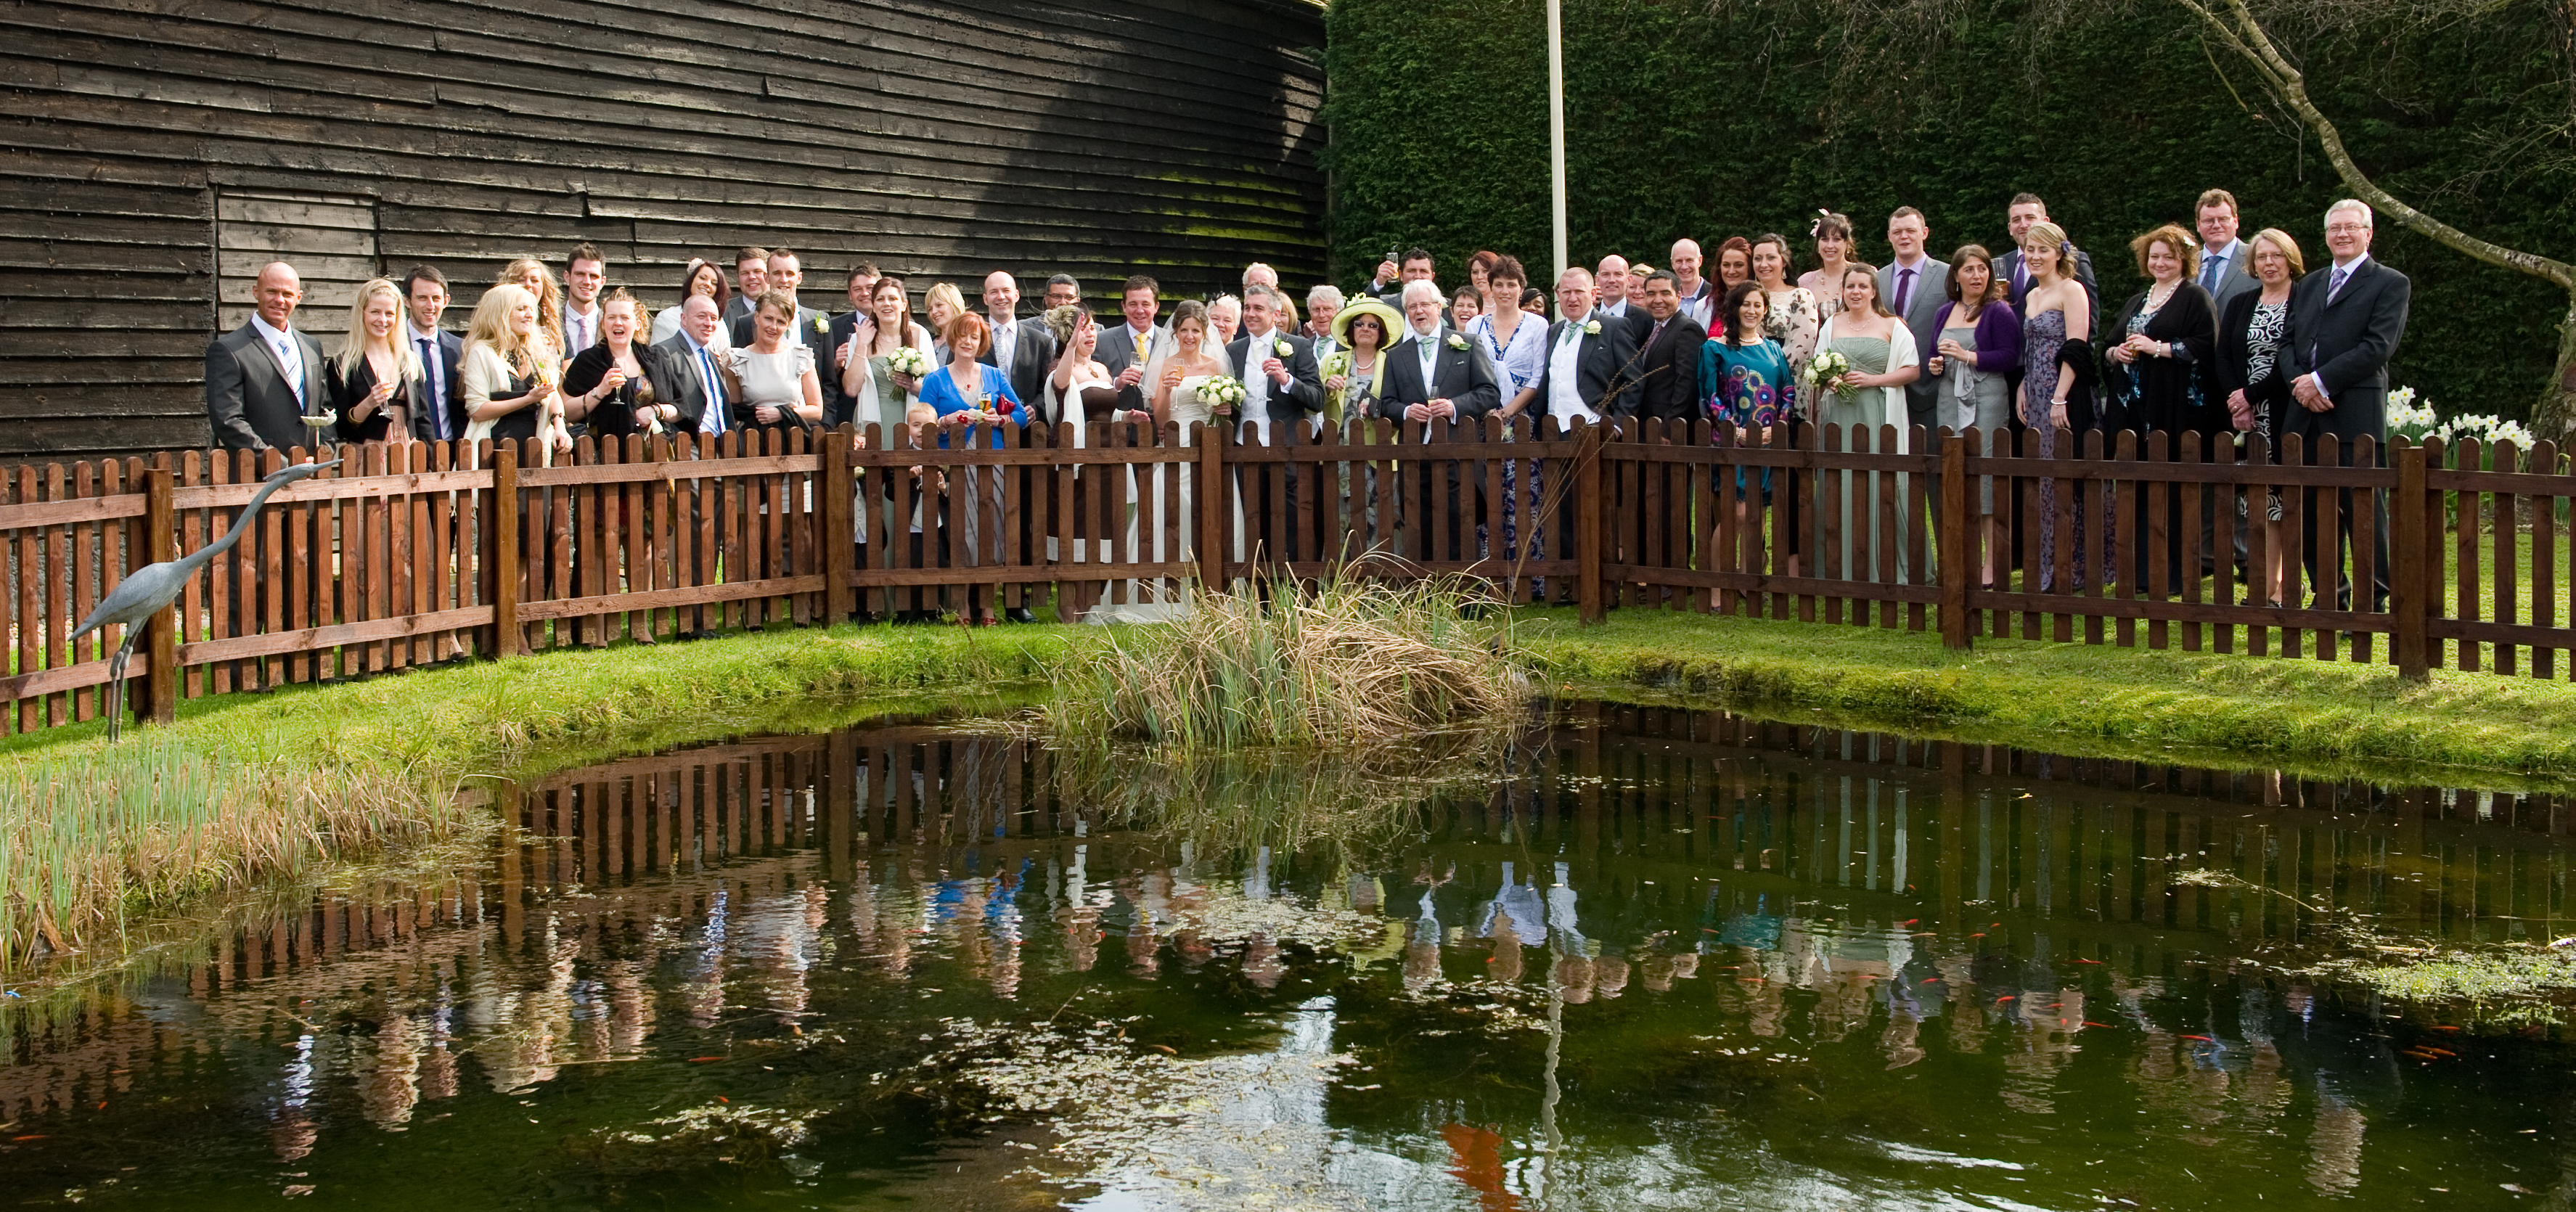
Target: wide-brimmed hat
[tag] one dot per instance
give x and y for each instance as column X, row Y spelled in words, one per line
column 1387, row 318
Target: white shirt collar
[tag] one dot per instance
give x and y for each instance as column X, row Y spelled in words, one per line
column 1425, row 337
column 2353, row 266
column 272, row 335
column 2227, row 253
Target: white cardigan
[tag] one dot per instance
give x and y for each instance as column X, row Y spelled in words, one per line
column 1900, row 353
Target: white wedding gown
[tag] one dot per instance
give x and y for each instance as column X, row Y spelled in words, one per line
column 1157, row 600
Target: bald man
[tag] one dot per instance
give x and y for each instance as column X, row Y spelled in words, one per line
column 264, row 377
column 1611, row 286
column 1696, row 301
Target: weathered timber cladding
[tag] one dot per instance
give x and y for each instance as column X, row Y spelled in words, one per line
column 152, row 144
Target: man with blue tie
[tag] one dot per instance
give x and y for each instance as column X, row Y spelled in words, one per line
column 265, row 377
column 697, row 388
column 2345, row 323
column 441, row 416
column 2225, row 269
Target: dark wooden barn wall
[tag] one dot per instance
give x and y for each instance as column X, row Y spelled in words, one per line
column 938, row 138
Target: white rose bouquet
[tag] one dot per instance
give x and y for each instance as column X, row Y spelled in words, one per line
column 1221, row 393
column 906, row 360
column 1826, row 370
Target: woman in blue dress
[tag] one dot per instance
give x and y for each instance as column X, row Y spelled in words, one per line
column 963, row 392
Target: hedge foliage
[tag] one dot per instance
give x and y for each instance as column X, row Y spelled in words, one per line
column 1691, row 117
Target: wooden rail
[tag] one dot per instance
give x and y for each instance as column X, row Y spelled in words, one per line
column 413, row 554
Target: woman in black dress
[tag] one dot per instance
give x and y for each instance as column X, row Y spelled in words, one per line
column 2161, row 350
column 373, row 378
column 610, row 384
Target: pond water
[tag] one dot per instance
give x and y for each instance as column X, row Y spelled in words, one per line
column 1640, row 958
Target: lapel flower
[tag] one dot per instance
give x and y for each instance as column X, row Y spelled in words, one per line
column 1284, row 349
column 821, row 325
column 1592, row 328
column 1457, row 342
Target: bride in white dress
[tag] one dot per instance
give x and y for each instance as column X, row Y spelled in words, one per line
column 1193, row 360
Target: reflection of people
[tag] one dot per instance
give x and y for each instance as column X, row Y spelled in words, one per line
column 1422, row 944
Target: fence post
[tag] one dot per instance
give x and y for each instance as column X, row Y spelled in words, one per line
column 1957, row 567
column 839, row 543
column 506, row 638
column 1211, row 499
column 1588, row 527
column 161, row 635
column 2410, row 642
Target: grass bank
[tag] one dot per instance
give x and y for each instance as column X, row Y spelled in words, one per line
column 2311, row 716
column 100, row 845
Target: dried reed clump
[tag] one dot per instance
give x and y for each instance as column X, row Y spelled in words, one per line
column 92, row 844
column 1347, row 665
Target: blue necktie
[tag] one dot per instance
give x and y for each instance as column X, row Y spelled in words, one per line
column 2210, row 269
column 715, row 421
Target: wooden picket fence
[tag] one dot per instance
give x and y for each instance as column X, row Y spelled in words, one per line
column 411, row 554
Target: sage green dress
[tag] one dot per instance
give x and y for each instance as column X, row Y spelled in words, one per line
column 1859, row 491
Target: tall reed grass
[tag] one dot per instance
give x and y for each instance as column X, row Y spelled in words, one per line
column 1344, row 665
column 93, row 841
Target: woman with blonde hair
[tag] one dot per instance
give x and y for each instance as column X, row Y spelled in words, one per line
column 2252, row 372
column 941, row 303
column 2057, row 380
column 509, row 389
column 373, row 376
column 531, row 275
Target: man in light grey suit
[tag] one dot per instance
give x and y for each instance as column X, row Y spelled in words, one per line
column 2226, row 264
column 265, row 377
column 1133, row 352
column 1914, row 286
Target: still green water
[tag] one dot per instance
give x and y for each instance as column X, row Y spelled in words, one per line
column 1648, row 959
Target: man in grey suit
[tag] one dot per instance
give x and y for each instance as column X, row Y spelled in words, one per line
column 1914, row 285
column 2226, row 264
column 265, row 377
column 692, row 382
column 750, row 277
column 1023, row 350
column 1130, row 350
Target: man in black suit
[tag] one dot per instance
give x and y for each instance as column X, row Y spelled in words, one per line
column 441, row 416
column 1023, row 350
column 2025, row 210
column 1664, row 382
column 783, row 274
column 1437, row 379
column 694, row 385
column 1585, row 353
column 264, row 377
column 2345, row 323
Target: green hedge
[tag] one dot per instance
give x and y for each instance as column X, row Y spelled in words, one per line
column 1705, row 119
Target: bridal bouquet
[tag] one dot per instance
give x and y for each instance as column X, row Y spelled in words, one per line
column 1827, row 368
column 908, row 361
column 1222, row 392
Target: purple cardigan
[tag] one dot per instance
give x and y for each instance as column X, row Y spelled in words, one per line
column 1998, row 337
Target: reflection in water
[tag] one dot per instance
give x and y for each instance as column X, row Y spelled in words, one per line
column 1678, row 955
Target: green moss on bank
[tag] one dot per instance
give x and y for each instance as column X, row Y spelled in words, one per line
column 2084, row 700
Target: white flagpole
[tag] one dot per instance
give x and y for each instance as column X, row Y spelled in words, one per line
column 1556, row 127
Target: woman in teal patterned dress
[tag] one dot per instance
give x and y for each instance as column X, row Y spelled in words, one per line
column 1746, row 372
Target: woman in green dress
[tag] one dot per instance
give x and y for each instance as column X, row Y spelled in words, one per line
column 1869, row 397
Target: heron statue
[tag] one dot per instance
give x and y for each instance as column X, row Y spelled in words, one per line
column 146, row 591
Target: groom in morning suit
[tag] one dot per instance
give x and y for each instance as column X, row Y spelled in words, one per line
column 1438, row 379
column 265, row 376
column 2345, row 323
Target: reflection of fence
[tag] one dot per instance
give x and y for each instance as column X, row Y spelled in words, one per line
column 414, row 553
